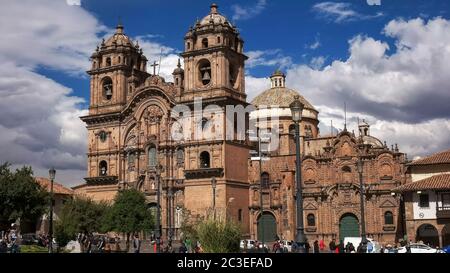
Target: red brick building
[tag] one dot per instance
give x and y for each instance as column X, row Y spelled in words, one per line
column 329, row 176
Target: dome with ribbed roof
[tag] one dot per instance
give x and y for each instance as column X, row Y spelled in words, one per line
column 214, row 17
column 119, row 38
column 278, row 95
column 281, row 97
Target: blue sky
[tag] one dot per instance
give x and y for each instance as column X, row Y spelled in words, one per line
column 387, row 62
column 291, row 27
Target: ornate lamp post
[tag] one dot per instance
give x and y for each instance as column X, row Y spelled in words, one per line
column 214, row 185
column 296, row 110
column 360, row 166
column 158, row 209
column 52, row 173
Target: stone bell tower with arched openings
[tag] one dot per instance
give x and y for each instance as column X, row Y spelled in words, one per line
column 214, row 72
column 118, row 67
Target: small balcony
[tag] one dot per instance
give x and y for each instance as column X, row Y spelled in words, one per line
column 443, row 212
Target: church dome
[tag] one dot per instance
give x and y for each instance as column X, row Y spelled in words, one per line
column 375, row 142
column 119, row 38
column 214, row 17
column 279, row 95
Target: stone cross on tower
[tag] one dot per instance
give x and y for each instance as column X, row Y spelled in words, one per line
column 154, row 65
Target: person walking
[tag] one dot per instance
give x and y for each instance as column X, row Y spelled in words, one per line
column 188, row 244
column 136, row 244
column 316, row 248
column 341, row 247
column 351, row 248
column 332, row 246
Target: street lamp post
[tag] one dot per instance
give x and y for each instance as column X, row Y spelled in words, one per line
column 158, row 210
column 169, row 211
column 261, row 203
column 361, row 196
column 296, row 110
column 52, row 173
column 214, row 184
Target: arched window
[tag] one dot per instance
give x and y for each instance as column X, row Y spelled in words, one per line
column 103, row 168
column 119, row 60
column 205, row 160
column 205, row 72
column 218, row 39
column 347, row 174
column 152, row 156
column 107, row 88
column 188, row 45
column 311, row 219
column 346, row 169
column 240, row 215
column 388, row 218
column 108, row 61
column 265, row 180
column 180, row 156
column 205, row 42
column 176, row 81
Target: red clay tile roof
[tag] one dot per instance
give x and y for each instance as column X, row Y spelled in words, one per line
column 438, row 158
column 57, row 188
column 436, row 182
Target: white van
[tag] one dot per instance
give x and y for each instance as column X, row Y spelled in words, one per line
column 376, row 247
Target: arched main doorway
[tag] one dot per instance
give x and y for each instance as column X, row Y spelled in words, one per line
column 348, row 226
column 428, row 234
column 267, row 227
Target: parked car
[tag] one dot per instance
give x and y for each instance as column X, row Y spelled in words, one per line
column 418, row 248
column 446, row 249
column 29, row 239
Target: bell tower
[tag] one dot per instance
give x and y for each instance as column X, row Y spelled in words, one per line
column 118, row 66
column 214, row 59
column 214, row 72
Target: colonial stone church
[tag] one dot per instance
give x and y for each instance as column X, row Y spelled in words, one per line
column 133, row 119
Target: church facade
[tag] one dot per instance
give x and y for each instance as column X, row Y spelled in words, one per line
column 142, row 134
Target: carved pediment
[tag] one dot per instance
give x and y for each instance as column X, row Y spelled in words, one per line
column 388, row 204
column 310, row 206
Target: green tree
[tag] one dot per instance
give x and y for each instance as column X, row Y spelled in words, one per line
column 20, row 196
column 79, row 215
column 129, row 214
column 218, row 236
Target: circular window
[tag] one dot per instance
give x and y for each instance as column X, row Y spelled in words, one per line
column 103, row 136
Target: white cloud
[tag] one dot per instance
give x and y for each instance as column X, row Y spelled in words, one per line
column 254, row 86
column 404, row 90
column 154, row 52
column 73, row 2
column 243, row 13
column 39, row 118
column 39, row 123
column 341, row 12
column 271, row 57
column 317, row 62
column 48, row 33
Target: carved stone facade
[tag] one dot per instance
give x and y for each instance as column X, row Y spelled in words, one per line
column 330, row 179
column 133, row 117
column 130, row 125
